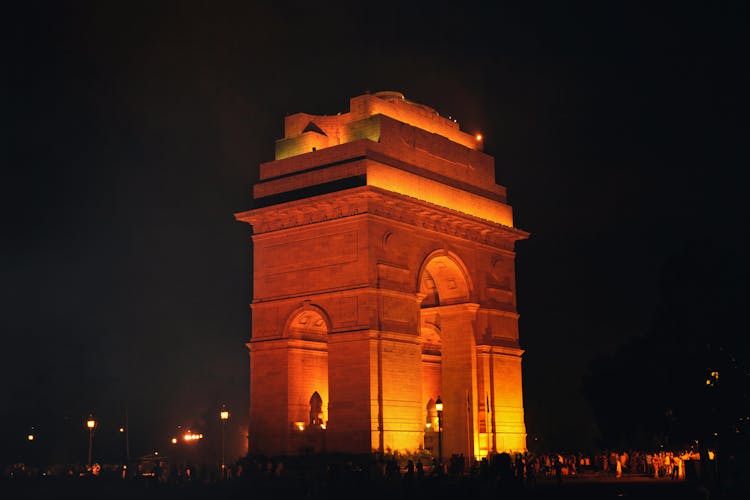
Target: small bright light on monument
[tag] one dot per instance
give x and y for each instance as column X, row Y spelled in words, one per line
column 224, row 415
column 90, row 423
column 478, row 137
column 174, row 440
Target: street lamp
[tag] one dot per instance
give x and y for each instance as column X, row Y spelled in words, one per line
column 224, row 415
column 439, row 408
column 91, row 425
column 31, row 449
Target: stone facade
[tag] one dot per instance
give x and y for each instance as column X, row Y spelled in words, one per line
column 383, row 277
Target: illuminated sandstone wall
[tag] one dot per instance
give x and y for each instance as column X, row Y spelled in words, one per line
column 390, row 284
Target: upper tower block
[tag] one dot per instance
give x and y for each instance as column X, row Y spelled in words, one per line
column 387, row 142
column 303, row 131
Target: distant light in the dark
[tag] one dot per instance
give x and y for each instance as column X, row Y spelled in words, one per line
column 189, row 436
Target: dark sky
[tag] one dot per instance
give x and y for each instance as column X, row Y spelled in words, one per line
column 133, row 131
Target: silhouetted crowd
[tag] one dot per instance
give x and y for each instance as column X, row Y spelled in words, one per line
column 395, row 475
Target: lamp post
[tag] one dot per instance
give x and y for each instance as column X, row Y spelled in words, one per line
column 126, row 431
column 30, row 438
column 90, row 425
column 224, row 415
column 439, row 408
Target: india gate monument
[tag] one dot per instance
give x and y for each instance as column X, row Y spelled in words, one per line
column 383, row 279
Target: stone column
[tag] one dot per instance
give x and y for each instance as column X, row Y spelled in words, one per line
column 459, row 381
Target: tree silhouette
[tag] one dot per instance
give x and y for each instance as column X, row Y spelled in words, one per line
column 687, row 379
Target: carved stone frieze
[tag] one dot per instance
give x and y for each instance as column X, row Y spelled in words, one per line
column 393, row 206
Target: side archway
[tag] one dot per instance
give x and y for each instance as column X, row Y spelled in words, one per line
column 308, row 322
column 306, row 332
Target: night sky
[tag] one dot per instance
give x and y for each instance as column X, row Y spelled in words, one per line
column 133, row 132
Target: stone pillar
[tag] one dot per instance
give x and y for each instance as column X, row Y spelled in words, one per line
column 459, row 380
column 269, row 428
column 507, row 398
column 352, row 358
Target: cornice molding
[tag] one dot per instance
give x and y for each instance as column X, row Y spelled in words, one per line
column 379, row 202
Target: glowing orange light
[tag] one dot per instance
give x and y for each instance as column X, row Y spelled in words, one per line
column 30, row 437
column 189, row 436
column 300, row 426
column 323, row 426
column 91, row 423
column 174, row 440
column 478, row 137
column 122, row 429
column 224, row 415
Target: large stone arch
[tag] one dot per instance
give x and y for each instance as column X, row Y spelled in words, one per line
column 444, row 279
column 393, row 261
column 449, row 366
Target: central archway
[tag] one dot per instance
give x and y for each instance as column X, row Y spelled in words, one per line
column 447, row 322
column 444, row 280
